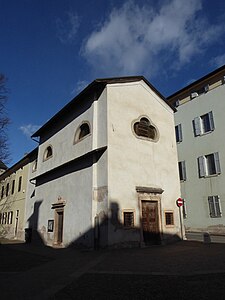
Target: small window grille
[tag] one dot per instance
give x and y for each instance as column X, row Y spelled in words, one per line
column 169, row 218
column 128, row 218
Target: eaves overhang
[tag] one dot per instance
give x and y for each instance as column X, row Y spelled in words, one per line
column 66, row 164
column 25, row 160
column 96, row 87
column 195, row 83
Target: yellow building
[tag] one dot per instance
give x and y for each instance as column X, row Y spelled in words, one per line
column 13, row 186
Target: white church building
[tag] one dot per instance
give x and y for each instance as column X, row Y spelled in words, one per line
column 106, row 172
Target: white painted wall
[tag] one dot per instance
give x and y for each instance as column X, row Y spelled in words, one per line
column 136, row 162
column 196, row 190
column 126, row 163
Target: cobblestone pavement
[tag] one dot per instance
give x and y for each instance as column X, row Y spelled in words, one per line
column 185, row 270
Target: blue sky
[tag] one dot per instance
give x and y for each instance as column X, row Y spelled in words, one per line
column 51, row 49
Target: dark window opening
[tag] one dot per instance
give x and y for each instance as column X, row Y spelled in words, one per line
column 7, row 190
column 2, row 193
column 169, row 218
column 128, row 218
column 48, row 152
column 84, row 130
column 145, row 129
column 13, row 187
column 20, row 184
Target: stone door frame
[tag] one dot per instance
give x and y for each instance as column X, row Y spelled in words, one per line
column 152, row 195
column 59, row 208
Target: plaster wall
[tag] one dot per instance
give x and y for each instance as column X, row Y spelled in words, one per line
column 14, row 203
column 77, row 183
column 133, row 161
column 62, row 142
column 196, row 190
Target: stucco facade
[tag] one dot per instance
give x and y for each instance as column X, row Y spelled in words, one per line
column 99, row 181
column 201, row 149
column 13, row 189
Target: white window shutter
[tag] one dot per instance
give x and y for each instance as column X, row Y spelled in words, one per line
column 196, row 126
column 183, row 170
column 201, row 166
column 217, row 206
column 180, row 133
column 206, row 88
column 211, row 206
column 217, row 162
column 211, row 121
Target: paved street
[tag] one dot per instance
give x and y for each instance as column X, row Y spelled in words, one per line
column 185, row 270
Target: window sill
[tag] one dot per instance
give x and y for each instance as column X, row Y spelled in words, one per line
column 205, row 133
column 209, row 176
column 47, row 158
column 81, row 139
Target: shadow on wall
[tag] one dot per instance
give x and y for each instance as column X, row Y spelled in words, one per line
column 31, row 233
column 108, row 231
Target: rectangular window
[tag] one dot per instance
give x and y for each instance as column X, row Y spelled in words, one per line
column 203, row 124
column 184, row 209
column 7, row 190
column 13, row 187
column 10, row 216
column 20, row 184
column 4, row 218
column 2, row 192
column 182, row 170
column 178, row 131
column 169, row 218
column 214, row 207
column 128, row 219
column 209, row 165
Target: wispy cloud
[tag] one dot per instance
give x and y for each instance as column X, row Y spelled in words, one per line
column 67, row 29
column 218, row 61
column 80, row 85
column 139, row 39
column 29, row 129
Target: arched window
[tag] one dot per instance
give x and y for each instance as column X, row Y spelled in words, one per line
column 34, row 166
column 48, row 153
column 82, row 131
column 144, row 128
